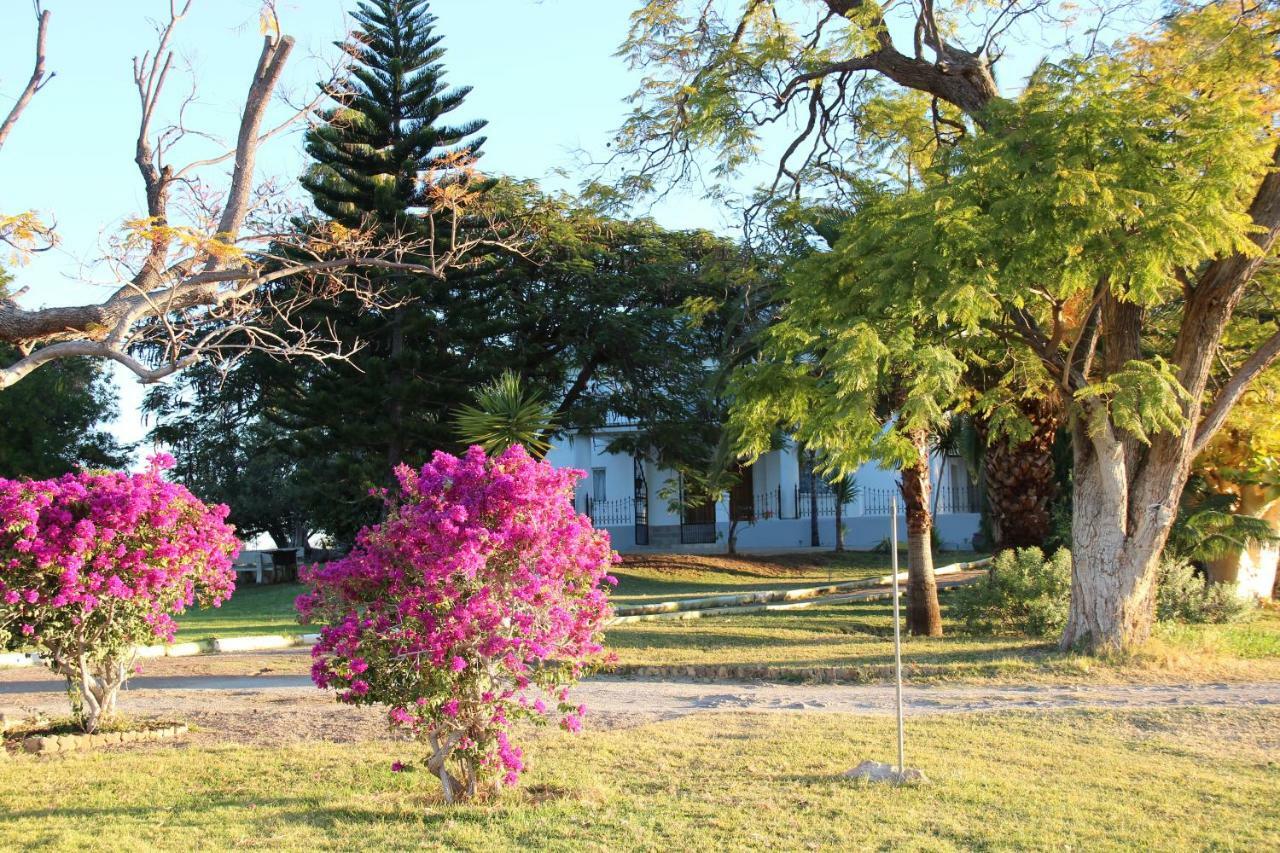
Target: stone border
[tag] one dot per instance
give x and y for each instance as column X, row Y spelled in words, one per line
column 627, row 612
column 222, row 645
column 49, row 744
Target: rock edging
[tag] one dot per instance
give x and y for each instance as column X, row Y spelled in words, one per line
column 49, row 744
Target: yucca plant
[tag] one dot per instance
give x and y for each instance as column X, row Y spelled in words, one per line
column 1208, row 527
column 844, row 491
column 507, row 413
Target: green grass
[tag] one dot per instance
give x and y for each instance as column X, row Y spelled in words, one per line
column 265, row 609
column 858, row 637
column 269, row 609
column 855, row 637
column 1182, row 779
column 706, row 576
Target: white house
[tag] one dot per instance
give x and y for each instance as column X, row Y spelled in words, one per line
column 773, row 503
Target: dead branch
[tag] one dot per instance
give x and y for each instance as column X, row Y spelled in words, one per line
column 209, row 273
column 39, row 77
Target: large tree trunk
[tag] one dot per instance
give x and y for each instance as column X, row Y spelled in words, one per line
column 839, row 526
column 924, row 617
column 1021, row 479
column 1119, row 527
column 1252, row 569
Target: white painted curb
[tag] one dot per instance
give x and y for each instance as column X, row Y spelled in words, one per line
column 253, row 644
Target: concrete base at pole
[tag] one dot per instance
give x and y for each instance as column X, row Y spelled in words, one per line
column 874, row 771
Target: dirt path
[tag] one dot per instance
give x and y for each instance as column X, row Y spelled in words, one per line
column 275, row 709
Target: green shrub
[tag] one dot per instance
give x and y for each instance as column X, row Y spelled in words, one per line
column 1025, row 594
column 1182, row 595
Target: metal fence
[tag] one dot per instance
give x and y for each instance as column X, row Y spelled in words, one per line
column 769, row 504
column 614, row 513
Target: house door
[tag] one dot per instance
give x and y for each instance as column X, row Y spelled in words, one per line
column 742, row 497
column 697, row 523
column 641, row 496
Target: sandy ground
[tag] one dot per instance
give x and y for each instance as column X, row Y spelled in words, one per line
column 280, row 709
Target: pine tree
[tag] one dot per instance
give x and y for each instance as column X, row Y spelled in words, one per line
column 388, row 127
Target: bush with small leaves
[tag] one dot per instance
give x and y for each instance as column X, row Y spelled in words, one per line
column 477, row 602
column 1025, row 593
column 1184, row 595
column 93, row 564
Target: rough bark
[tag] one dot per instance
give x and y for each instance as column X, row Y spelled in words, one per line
column 1021, row 479
column 839, row 526
column 924, row 617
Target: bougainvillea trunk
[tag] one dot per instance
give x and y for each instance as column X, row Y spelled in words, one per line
column 97, row 685
column 1021, row 478
column 924, row 616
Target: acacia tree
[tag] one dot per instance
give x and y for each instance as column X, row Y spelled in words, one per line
column 194, row 268
column 1119, row 186
column 851, row 381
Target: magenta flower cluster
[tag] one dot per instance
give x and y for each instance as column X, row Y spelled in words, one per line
column 96, row 562
column 478, row 601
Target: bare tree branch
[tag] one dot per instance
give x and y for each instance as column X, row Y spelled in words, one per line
column 39, row 77
column 234, row 273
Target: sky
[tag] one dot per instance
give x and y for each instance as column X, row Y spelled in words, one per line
column 543, row 74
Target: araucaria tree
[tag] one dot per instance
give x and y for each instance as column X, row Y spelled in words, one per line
column 477, row 602
column 1124, row 193
column 94, row 564
column 389, row 124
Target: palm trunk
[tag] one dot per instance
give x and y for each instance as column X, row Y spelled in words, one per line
column 1021, row 479
column 839, row 526
column 924, row 617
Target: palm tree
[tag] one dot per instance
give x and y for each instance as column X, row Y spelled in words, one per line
column 506, row 413
column 845, row 491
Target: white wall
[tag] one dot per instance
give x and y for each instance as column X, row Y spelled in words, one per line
column 774, row 470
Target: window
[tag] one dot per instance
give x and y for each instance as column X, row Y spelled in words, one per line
column 597, row 484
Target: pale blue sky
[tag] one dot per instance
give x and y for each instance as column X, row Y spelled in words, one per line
column 543, row 75
column 543, row 72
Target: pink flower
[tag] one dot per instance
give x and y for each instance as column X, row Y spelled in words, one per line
column 480, row 575
column 397, row 767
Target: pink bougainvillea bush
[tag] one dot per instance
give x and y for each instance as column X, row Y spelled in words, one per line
column 93, row 564
column 477, row 602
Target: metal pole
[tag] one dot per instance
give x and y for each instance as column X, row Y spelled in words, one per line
column 897, row 630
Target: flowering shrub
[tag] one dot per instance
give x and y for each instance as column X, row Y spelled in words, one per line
column 93, row 564
column 477, row 602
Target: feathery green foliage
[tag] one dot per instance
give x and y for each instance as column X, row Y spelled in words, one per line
column 505, row 413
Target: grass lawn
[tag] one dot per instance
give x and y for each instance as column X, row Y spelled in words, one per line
column 269, row 609
column 1180, row 779
column 859, row 637
column 854, row 637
